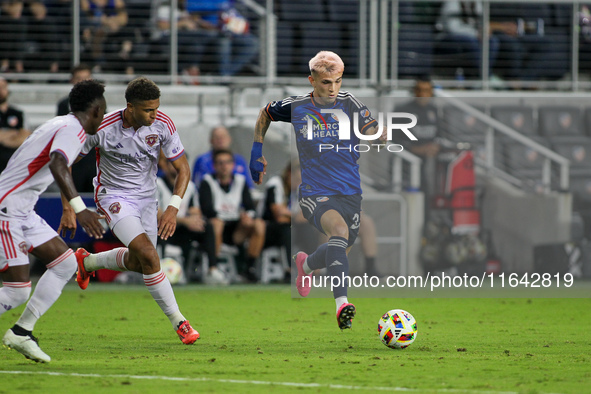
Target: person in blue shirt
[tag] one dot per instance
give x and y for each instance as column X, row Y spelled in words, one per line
column 330, row 192
column 220, row 139
column 235, row 46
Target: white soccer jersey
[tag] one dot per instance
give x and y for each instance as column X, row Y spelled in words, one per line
column 126, row 159
column 227, row 204
column 27, row 174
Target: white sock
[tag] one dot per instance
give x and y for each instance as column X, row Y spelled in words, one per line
column 306, row 268
column 340, row 301
column 48, row 289
column 13, row 294
column 113, row 259
column 161, row 291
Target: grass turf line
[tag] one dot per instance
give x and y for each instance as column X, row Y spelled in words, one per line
column 261, row 334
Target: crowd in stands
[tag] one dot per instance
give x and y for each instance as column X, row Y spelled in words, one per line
column 127, row 36
column 526, row 41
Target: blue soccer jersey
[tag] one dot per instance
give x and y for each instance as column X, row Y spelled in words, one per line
column 329, row 163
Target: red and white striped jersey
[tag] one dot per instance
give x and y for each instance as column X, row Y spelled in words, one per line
column 127, row 159
column 27, row 174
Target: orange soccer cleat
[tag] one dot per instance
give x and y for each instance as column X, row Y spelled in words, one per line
column 187, row 334
column 82, row 277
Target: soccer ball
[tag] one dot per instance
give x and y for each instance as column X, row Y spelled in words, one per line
column 397, row 329
column 173, row 270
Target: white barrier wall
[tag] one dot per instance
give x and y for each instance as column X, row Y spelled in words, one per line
column 520, row 221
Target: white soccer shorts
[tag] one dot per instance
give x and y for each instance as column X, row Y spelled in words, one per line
column 129, row 217
column 19, row 236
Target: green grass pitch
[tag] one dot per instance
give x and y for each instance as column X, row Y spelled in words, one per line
column 114, row 338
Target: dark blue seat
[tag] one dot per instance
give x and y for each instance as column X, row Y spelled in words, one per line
column 301, row 10
column 560, row 121
column 518, row 117
column 311, row 44
column 578, row 151
column 342, row 11
column 346, row 14
column 286, row 39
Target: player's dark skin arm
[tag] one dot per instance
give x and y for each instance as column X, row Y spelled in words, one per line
column 68, row 220
column 260, row 129
column 167, row 222
column 61, row 173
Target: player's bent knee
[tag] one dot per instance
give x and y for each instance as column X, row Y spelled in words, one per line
column 339, row 230
column 147, row 257
column 23, row 295
column 17, row 295
column 65, row 265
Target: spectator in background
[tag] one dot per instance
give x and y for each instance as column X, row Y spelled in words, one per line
column 61, row 12
column 78, row 73
column 103, row 25
column 234, row 45
column 227, row 203
column 13, row 32
column 85, row 170
column 525, row 48
column 426, row 146
column 302, row 237
column 275, row 210
column 191, row 225
column 192, row 41
column 42, row 37
column 12, row 129
column 462, row 35
column 220, row 139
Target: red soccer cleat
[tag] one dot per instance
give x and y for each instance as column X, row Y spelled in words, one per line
column 82, row 277
column 303, row 289
column 187, row 334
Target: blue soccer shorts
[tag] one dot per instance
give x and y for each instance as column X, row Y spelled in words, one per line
column 349, row 207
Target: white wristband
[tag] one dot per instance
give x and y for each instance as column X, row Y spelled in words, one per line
column 175, row 201
column 77, row 204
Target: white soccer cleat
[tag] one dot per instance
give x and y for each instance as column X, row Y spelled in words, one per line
column 215, row 276
column 26, row 345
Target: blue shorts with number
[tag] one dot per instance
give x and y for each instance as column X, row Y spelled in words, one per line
column 349, row 207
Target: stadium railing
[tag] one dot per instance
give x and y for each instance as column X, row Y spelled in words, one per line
column 497, row 130
column 385, row 43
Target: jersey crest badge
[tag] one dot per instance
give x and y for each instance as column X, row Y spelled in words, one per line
column 151, row 139
column 23, row 247
column 115, row 208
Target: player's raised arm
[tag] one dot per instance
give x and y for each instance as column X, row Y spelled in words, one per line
column 258, row 164
column 88, row 220
column 167, row 222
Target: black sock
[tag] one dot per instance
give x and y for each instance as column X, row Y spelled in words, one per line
column 317, row 259
column 337, row 264
column 370, row 265
column 18, row 330
column 251, row 268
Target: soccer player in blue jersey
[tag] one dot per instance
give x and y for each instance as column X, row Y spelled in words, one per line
column 330, row 192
